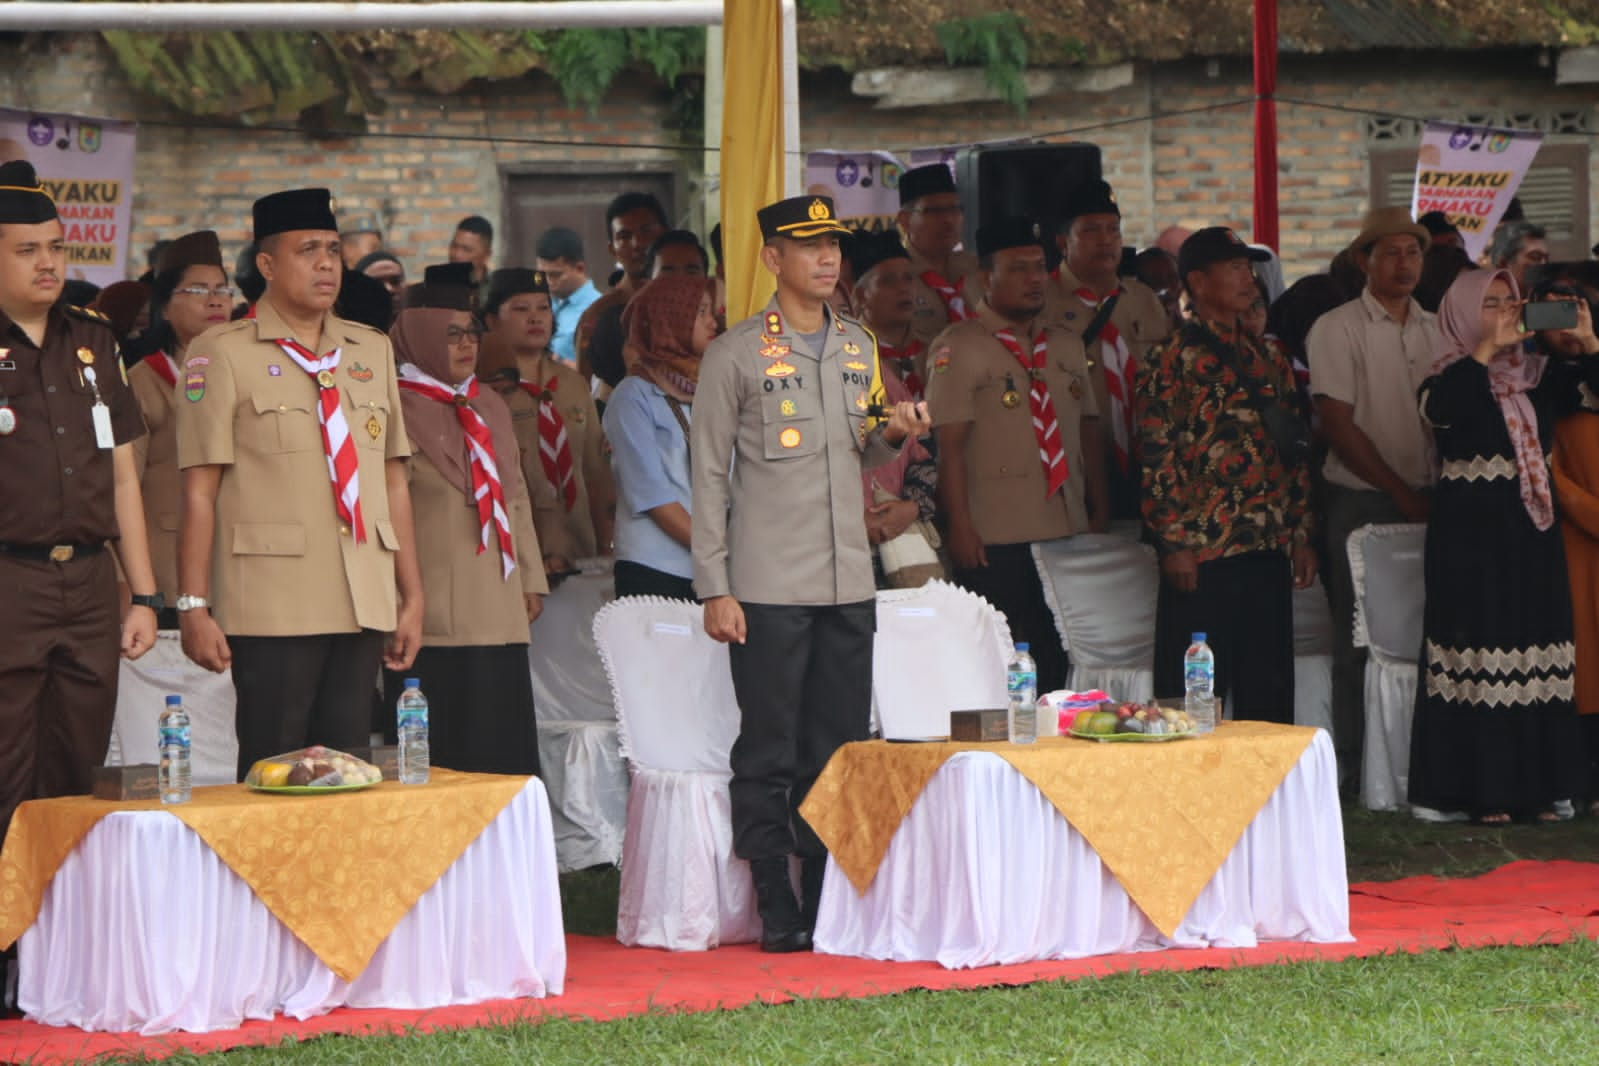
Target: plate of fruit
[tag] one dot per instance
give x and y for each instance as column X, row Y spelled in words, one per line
column 1134, row 723
column 312, row 771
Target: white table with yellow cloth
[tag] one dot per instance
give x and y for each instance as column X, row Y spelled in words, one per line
column 978, row 855
column 239, row 906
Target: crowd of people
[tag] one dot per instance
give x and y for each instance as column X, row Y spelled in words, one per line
column 343, row 472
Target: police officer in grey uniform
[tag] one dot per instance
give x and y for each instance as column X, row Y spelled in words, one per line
column 783, row 426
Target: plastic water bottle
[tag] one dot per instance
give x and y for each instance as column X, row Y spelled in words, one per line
column 1199, row 684
column 1021, row 685
column 413, row 729
column 172, row 771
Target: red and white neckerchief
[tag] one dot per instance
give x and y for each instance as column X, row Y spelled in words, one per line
column 343, row 467
column 1045, row 426
column 954, row 303
column 905, row 362
column 1121, row 375
column 555, row 450
column 488, row 494
column 165, row 367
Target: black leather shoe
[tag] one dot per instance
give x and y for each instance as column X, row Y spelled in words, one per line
column 782, row 928
column 786, row 943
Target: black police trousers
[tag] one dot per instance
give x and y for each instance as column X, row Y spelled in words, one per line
column 803, row 678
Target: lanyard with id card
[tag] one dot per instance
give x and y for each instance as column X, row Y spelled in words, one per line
column 103, row 437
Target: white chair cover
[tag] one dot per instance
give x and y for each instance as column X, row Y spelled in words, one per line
column 142, row 690
column 1386, row 562
column 1015, row 882
column 1313, row 645
column 1102, row 589
column 939, row 648
column 578, row 750
column 682, row 889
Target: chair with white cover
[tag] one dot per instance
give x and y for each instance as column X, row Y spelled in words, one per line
column 939, row 648
column 143, row 686
column 579, row 755
column 682, row 888
column 1102, row 590
column 1386, row 562
column 1313, row 648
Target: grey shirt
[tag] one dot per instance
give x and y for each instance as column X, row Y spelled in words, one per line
column 779, row 444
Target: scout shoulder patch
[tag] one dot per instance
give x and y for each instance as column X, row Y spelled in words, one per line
column 194, row 386
column 941, row 360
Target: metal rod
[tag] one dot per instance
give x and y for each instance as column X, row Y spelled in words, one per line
column 22, row 15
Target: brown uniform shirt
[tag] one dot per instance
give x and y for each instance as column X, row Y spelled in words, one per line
column 156, row 456
column 778, row 445
column 282, row 563
column 57, row 485
column 970, row 373
column 466, row 603
column 575, row 539
column 932, row 315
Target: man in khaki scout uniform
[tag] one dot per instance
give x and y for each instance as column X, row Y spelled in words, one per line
column 1119, row 322
column 68, row 487
column 295, row 531
column 782, row 430
column 946, row 288
column 1018, row 439
column 557, row 426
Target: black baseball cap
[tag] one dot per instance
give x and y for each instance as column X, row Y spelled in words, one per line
column 1215, row 244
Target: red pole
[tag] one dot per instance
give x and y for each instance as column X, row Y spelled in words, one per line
column 1266, row 123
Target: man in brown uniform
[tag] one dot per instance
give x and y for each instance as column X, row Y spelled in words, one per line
column 781, row 434
column 67, row 480
column 946, row 287
column 1018, row 439
column 296, row 513
column 1118, row 320
column 557, row 426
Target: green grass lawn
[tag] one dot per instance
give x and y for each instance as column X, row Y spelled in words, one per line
column 1497, row 1006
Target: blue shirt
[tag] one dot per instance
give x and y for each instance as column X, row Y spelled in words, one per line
column 649, row 458
column 563, row 342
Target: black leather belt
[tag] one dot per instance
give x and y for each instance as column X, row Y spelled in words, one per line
column 50, row 553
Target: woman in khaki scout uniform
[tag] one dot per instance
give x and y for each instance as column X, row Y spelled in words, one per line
column 997, row 384
column 295, row 522
column 189, row 296
column 481, row 580
column 557, row 425
column 68, row 486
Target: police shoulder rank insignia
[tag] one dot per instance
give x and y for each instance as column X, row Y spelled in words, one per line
column 774, row 324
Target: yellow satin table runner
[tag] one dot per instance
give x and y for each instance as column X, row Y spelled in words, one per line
column 339, row 871
column 1162, row 817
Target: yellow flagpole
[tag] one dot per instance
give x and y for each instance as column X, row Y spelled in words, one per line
column 752, row 144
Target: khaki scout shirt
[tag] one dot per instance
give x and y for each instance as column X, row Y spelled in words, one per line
column 156, row 457
column 931, row 315
column 465, row 600
column 1139, row 316
column 779, row 442
column 970, row 374
column 57, row 485
column 282, row 563
column 591, row 471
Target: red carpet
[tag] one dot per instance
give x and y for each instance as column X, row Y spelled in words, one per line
column 1522, row 903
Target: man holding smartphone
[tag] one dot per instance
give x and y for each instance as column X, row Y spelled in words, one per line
column 1367, row 358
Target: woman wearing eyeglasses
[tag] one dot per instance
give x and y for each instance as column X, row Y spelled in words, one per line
column 189, row 295
column 482, row 576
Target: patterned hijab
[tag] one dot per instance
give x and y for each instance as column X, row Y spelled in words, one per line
column 660, row 331
column 1512, row 373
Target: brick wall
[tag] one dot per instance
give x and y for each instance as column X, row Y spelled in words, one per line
column 1183, row 168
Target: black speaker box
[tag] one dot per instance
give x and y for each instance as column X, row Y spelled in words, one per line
column 1021, row 179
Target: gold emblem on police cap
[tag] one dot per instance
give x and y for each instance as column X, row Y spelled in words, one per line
column 819, row 211
column 86, row 357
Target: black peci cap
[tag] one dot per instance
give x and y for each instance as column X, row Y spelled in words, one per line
column 865, row 250
column 1214, row 244
column 513, row 281
column 294, row 209
column 924, row 181
column 449, row 274
column 23, row 200
column 200, row 248
column 799, row 217
column 1089, row 198
column 1011, row 231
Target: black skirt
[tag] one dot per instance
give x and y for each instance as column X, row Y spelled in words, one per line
column 480, row 708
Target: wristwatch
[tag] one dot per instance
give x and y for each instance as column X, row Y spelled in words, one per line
column 155, row 601
column 189, row 603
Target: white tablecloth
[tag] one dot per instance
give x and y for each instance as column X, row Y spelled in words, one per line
column 985, row 871
column 145, row 930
